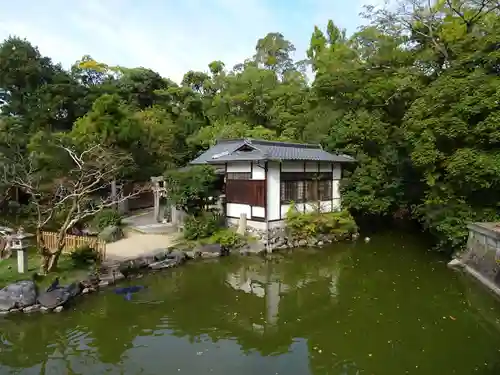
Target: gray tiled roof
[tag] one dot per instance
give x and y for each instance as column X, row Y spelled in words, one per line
column 253, row 150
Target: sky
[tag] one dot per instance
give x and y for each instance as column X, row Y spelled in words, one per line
column 170, row 37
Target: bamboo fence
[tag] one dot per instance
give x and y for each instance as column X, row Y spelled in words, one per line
column 73, row 242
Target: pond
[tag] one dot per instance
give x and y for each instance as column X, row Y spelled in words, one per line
column 385, row 307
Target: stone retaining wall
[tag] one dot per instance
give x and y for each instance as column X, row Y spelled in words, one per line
column 481, row 258
column 280, row 238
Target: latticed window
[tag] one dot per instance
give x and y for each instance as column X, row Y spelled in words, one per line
column 292, row 191
column 325, row 190
column 306, row 187
column 239, row 175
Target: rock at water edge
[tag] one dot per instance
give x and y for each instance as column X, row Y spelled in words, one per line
column 18, row 295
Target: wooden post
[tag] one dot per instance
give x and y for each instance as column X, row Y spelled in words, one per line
column 242, row 224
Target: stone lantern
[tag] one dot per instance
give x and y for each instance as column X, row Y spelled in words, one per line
column 20, row 243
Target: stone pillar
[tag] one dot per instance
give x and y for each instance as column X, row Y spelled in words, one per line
column 242, row 224
column 22, row 261
column 156, row 205
column 114, row 194
column 20, row 243
column 157, row 194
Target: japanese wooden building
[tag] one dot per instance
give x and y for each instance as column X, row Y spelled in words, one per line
column 262, row 178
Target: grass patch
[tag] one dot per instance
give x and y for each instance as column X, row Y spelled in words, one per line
column 67, row 271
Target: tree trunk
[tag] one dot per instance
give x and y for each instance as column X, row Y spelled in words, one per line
column 44, row 265
column 52, row 264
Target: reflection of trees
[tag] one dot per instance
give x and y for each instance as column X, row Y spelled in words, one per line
column 27, row 342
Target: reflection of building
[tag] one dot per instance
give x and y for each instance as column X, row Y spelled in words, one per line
column 262, row 285
column 258, row 285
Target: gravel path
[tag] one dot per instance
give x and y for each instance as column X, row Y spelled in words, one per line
column 136, row 244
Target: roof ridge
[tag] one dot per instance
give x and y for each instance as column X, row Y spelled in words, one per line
column 285, row 144
column 253, row 141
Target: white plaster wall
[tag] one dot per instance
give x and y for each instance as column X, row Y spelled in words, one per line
column 292, row 166
column 312, row 166
column 273, row 191
column 259, row 212
column 336, row 189
column 336, row 205
column 337, row 171
column 277, row 224
column 298, row 166
column 311, row 206
column 325, row 206
column 258, row 172
column 235, row 210
column 239, row 167
column 325, row 167
column 260, row 225
column 285, row 207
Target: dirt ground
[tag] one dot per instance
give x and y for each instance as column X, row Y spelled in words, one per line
column 136, row 244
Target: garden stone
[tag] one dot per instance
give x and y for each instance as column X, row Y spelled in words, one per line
column 54, row 298
column 32, row 308
column 256, row 247
column 132, row 266
column 58, row 309
column 211, row 248
column 177, row 255
column 190, row 254
column 112, row 233
column 73, row 289
column 160, row 254
column 18, row 295
column 302, row 243
column 162, row 264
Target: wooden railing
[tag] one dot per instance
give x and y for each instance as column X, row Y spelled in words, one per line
column 72, row 242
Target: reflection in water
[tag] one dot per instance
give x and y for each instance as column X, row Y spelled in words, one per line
column 380, row 308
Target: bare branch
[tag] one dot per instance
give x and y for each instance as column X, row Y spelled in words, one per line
column 72, row 185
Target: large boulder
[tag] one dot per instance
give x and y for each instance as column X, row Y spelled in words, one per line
column 112, row 233
column 59, row 295
column 18, row 295
column 54, row 298
column 254, row 247
column 210, row 251
column 133, row 266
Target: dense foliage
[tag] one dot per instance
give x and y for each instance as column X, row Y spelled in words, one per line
column 339, row 224
column 413, row 95
column 201, row 226
column 192, row 189
column 107, row 217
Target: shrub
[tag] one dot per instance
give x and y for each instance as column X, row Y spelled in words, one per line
column 84, row 256
column 201, row 226
column 106, row 218
column 226, row 238
column 311, row 224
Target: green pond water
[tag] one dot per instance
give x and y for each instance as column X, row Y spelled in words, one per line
column 386, row 308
